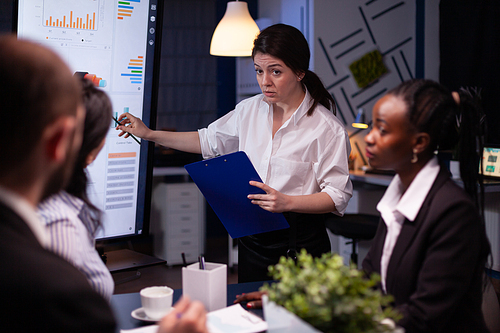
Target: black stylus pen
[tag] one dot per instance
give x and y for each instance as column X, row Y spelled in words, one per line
column 133, row 137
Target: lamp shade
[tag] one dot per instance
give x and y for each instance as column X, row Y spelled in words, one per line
column 360, row 121
column 235, row 33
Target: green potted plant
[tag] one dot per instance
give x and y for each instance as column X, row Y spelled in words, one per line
column 329, row 295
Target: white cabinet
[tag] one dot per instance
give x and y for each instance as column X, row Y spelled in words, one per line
column 178, row 222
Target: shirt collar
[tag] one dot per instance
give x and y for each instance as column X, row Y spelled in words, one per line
column 82, row 211
column 72, row 202
column 409, row 203
column 26, row 211
column 301, row 110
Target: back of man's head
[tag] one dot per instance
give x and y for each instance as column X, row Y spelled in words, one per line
column 36, row 88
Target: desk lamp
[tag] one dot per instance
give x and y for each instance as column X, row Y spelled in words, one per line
column 360, row 121
column 360, row 124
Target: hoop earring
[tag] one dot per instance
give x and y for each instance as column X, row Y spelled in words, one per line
column 414, row 159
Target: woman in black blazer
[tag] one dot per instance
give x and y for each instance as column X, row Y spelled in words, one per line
column 431, row 248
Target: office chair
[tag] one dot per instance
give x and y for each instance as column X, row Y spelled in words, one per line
column 354, row 226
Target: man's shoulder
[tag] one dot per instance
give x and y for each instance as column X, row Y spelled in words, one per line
column 21, row 253
column 42, row 285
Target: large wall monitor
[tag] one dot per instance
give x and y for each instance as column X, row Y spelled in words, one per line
column 115, row 42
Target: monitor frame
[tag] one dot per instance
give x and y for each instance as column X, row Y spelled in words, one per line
column 150, row 102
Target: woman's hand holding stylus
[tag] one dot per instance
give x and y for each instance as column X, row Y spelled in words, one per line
column 129, row 124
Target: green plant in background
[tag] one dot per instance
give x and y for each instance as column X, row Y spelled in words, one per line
column 368, row 68
column 329, row 295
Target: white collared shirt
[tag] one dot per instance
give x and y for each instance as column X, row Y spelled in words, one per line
column 308, row 154
column 26, row 211
column 395, row 206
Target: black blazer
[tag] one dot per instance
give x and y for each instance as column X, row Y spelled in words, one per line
column 436, row 269
column 40, row 291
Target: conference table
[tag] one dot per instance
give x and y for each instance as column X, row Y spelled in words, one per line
column 124, row 304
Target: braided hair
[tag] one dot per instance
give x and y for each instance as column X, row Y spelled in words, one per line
column 453, row 123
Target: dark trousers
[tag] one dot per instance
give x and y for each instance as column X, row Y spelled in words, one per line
column 257, row 252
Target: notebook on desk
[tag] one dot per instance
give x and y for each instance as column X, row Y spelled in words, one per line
column 224, row 181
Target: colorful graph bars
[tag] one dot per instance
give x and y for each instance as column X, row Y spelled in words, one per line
column 114, row 123
column 135, row 67
column 125, row 8
column 83, row 23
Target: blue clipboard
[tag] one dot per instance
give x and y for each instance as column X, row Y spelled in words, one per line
column 224, row 181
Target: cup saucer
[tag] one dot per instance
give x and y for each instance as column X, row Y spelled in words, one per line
column 139, row 314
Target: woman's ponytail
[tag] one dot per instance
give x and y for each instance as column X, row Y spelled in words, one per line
column 318, row 93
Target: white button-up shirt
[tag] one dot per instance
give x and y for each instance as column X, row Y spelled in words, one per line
column 396, row 205
column 308, row 154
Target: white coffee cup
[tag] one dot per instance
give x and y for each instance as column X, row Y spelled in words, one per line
column 156, row 301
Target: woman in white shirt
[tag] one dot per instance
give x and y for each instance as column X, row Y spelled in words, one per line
column 295, row 142
column 431, row 248
column 70, row 218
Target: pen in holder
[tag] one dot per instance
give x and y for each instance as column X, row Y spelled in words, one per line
column 201, row 261
column 208, row 285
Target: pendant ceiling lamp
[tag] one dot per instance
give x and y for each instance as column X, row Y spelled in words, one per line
column 235, row 33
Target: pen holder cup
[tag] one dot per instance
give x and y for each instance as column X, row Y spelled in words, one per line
column 208, row 285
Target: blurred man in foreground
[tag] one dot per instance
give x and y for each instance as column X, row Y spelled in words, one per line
column 42, row 117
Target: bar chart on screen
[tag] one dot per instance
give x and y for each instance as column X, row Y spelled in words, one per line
column 134, row 70
column 76, row 14
column 126, row 8
column 69, row 24
column 112, row 43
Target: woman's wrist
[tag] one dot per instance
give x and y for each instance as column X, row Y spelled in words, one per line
column 150, row 135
